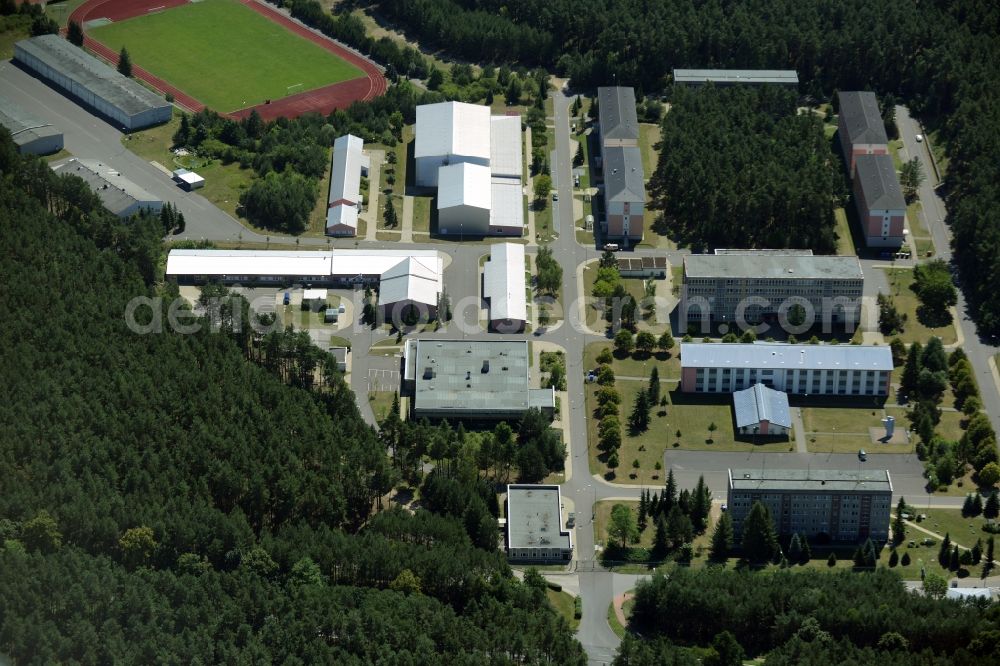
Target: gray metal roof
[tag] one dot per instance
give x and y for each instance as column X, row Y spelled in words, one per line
column 784, row 356
column 616, row 111
column 117, row 193
column 861, row 118
column 642, row 263
column 534, row 517
column 760, row 403
column 769, row 265
column 877, row 176
column 811, row 480
column 786, row 76
column 24, row 127
column 475, row 376
column 623, row 176
column 90, row 72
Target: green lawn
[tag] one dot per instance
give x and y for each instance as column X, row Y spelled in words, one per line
column 845, row 430
column 668, row 364
column 60, row 11
column 649, row 135
column 421, row 214
column 907, row 303
column 225, row 55
column 562, row 602
column 381, row 402
column 962, row 530
column 845, row 243
column 13, row 29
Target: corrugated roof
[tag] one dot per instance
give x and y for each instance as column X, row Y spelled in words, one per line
column 23, row 126
column 247, row 262
column 642, row 263
column 616, row 112
column 877, row 176
column 760, row 403
column 506, row 151
column 504, row 283
column 771, row 265
column 534, row 517
column 785, row 356
column 91, row 73
column 507, row 205
column 117, row 193
column 345, row 181
column 861, row 118
column 464, row 184
column 811, row 480
column 786, row 76
column 623, row 176
column 452, row 128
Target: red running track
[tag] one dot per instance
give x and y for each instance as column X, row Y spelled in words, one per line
column 322, row 100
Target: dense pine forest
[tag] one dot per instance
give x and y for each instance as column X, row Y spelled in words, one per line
column 803, row 618
column 938, row 57
column 208, row 497
column 739, row 167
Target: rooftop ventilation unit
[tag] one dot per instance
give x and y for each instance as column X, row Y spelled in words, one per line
column 486, row 365
column 428, row 373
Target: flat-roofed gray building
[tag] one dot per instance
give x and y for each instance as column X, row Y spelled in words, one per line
column 841, row 505
column 477, row 380
column 733, row 77
column 92, row 82
column 31, row 135
column 118, row 194
column 754, row 286
column 534, row 525
column 797, row 369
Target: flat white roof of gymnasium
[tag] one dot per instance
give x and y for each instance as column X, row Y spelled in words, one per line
column 88, row 71
column 784, row 356
column 770, row 265
column 464, row 184
column 507, row 205
column 503, row 282
column 452, row 128
column 416, row 279
column 534, row 517
column 506, row 152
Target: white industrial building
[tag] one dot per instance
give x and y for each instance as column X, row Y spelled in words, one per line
column 92, row 82
column 404, row 276
column 476, row 162
column 464, row 199
column 450, row 133
column 348, row 165
column 504, row 287
column 31, row 135
column 118, row 194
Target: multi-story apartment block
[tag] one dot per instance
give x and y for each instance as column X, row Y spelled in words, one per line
column 796, row 369
column 879, row 200
column 839, row 505
column 753, row 286
column 624, row 178
column 860, row 127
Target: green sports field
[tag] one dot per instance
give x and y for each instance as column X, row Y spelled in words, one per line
column 224, row 55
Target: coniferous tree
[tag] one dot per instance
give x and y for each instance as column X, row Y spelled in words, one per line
column 722, row 538
column 898, row 526
column 954, row 559
column 988, row 560
column 669, row 497
column 806, row 551
column 74, row 33
column 910, row 379
column 643, row 508
column 701, row 505
column 125, row 63
column 992, row 507
column 944, row 552
column 661, row 542
column 654, row 386
column 760, row 543
column 795, row 548
column 977, row 504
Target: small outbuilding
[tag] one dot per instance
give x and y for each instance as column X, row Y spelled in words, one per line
column 762, row 411
column 189, row 180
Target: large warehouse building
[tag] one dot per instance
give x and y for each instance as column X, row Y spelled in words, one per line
column 840, row 505
column 118, row 194
column 405, row 277
column 347, row 165
column 798, row 369
column 31, row 135
column 504, row 287
column 478, row 380
column 759, row 284
column 475, row 161
column 92, row 82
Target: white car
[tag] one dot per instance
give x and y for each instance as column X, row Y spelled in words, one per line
column 919, row 138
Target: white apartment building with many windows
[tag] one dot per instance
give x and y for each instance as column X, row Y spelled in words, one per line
column 797, row 369
column 838, row 505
